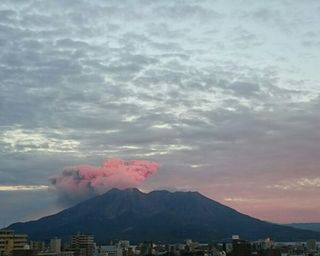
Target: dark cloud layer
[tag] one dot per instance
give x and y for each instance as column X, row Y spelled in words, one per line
column 218, row 93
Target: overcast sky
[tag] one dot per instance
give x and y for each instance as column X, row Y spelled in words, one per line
column 224, row 95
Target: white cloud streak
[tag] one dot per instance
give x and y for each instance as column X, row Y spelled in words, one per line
column 298, row 184
column 8, row 188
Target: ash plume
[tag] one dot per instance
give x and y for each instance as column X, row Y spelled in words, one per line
column 81, row 182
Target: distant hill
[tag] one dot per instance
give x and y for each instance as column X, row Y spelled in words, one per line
column 306, row 226
column 160, row 216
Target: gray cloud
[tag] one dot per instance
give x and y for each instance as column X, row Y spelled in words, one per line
column 213, row 91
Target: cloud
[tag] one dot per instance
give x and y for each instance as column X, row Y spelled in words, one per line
column 23, row 187
column 213, row 90
column 240, row 199
column 298, row 184
column 81, row 182
column 31, row 140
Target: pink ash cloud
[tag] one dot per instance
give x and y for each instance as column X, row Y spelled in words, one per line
column 84, row 181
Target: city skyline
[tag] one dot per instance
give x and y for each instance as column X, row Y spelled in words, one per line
column 213, row 96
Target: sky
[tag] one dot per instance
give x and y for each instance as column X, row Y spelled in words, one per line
column 223, row 96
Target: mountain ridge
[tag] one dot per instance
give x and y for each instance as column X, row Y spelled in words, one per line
column 313, row 226
column 158, row 215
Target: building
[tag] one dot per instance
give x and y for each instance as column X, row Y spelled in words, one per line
column 110, row 250
column 55, row 245
column 66, row 253
column 9, row 241
column 240, row 247
column 312, row 245
column 24, row 252
column 82, row 245
column 62, row 253
column 37, row 245
column 125, row 248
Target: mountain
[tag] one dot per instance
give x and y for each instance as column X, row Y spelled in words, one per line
column 306, row 226
column 160, row 216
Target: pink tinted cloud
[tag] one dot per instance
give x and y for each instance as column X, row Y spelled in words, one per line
column 84, row 181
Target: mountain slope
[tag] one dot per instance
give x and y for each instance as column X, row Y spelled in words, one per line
column 307, row 226
column 159, row 215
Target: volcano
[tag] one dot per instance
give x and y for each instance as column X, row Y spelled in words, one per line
column 159, row 216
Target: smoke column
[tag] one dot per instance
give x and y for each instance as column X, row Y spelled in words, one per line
column 81, row 182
